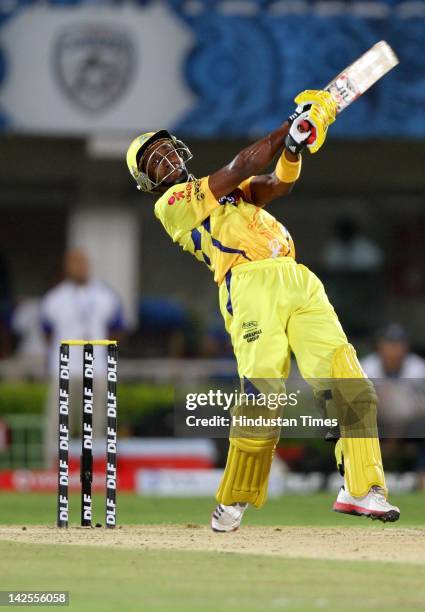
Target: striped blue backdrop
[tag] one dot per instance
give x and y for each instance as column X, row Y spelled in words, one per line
column 250, row 58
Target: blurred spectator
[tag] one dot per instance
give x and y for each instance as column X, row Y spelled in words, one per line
column 348, row 249
column 5, row 308
column 80, row 307
column 392, row 358
column 167, row 329
column 216, row 343
column 26, row 326
column 352, row 264
column 402, row 404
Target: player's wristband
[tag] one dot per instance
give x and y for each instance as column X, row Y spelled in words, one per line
column 287, row 171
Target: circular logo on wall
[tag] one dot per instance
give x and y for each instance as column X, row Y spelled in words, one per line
column 93, row 64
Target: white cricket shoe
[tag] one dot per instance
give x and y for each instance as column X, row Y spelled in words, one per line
column 227, row 518
column 373, row 505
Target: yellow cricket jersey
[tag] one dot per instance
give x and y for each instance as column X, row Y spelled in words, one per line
column 222, row 233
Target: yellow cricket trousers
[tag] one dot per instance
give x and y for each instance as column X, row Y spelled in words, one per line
column 272, row 307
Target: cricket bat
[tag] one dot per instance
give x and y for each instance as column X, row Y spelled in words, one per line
column 354, row 80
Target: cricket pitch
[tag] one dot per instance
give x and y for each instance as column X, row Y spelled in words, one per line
column 384, row 544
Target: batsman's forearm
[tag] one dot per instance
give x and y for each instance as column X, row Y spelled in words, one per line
column 258, row 156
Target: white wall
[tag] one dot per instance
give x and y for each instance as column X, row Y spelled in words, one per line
column 110, row 237
column 97, row 69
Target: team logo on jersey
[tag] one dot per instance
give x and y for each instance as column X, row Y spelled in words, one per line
column 199, row 194
column 253, row 332
column 194, row 186
column 232, row 198
column 275, row 248
column 249, row 324
column 251, row 336
column 177, row 195
column 93, row 64
column 189, row 187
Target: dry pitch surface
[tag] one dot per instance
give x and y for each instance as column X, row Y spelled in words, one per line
column 386, row 544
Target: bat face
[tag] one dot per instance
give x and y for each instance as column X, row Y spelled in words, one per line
column 344, row 91
column 354, row 80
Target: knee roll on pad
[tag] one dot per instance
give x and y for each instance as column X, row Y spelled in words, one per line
column 246, row 476
column 345, row 363
column 350, row 383
column 353, row 394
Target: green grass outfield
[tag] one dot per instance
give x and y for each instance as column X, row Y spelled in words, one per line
column 301, row 510
column 106, row 579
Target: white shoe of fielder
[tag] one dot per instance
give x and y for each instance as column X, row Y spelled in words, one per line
column 373, row 505
column 227, row 518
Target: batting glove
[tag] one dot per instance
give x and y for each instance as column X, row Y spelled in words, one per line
column 316, row 110
column 300, row 133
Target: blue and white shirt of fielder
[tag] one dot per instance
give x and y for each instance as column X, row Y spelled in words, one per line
column 73, row 312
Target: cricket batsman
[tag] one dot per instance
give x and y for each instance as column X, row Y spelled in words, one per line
column 222, row 221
